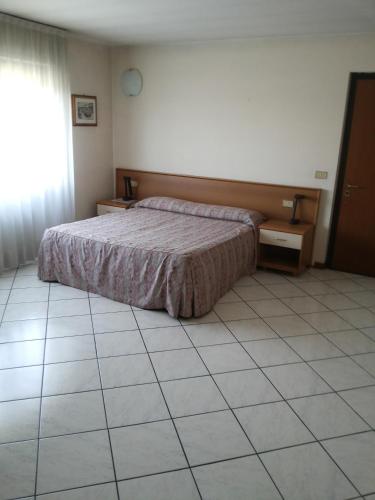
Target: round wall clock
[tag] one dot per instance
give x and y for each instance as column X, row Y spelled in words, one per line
column 131, row 82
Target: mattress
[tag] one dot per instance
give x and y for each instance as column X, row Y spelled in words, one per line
column 162, row 254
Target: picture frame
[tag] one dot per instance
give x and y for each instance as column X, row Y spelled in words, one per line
column 84, row 110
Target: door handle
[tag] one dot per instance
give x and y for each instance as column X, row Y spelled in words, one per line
column 353, row 186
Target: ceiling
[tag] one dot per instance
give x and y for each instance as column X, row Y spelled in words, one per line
column 121, row 22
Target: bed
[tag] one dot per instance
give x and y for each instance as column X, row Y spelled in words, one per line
column 163, row 254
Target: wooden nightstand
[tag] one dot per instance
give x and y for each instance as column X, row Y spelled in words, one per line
column 110, row 206
column 284, row 246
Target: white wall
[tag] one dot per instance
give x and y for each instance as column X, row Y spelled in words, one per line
column 90, row 73
column 267, row 110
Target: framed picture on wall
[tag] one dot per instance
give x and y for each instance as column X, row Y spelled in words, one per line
column 84, row 110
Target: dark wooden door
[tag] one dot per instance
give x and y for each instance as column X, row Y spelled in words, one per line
column 352, row 246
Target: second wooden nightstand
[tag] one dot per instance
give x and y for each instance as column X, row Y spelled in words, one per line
column 284, row 246
column 110, row 206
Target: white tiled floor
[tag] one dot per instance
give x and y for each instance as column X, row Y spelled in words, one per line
column 269, row 396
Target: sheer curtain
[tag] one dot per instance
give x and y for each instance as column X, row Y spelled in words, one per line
column 36, row 168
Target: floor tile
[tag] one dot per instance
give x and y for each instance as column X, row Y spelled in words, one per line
column 177, row 364
column 369, row 332
column 255, row 292
column 296, row 380
column 154, row 319
column 104, row 305
column 351, row 341
column 19, row 295
column 20, row 383
column 246, row 281
column 365, row 298
column 209, row 334
column 307, row 472
column 6, row 283
column 8, row 273
column 144, row 449
column 328, row 416
column 225, row 358
column 311, row 347
column 270, row 277
column 164, row 339
column 69, row 377
column 342, row 373
column 211, row 437
column 17, row 469
column 134, row 405
column 230, row 296
column 366, row 281
column 285, row 290
column 360, row 318
column 239, row 479
column 325, row 322
column 287, row 326
column 70, row 349
column 64, row 327
column 114, row 322
column 270, row 352
column 270, row 307
column 244, row 388
column 250, row 329
column 16, row 354
column 126, row 370
column 71, row 413
column 235, row 310
column 29, row 310
column 68, row 307
column 363, row 402
column 301, row 278
column 304, row 304
column 210, row 317
column 316, row 288
column 327, row 274
column 192, row 396
column 119, row 343
column 28, row 269
column 367, row 361
column 273, row 425
column 66, row 292
column 336, row 301
column 356, row 457
column 29, row 282
column 345, row 285
column 19, row 420
column 176, row 485
column 99, row 492
column 72, row 461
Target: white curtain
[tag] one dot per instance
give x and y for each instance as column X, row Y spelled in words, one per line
column 36, row 168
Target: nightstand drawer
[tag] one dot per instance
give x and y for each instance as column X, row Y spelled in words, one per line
column 280, row 239
column 107, row 209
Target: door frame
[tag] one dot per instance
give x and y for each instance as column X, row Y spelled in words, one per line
column 343, row 155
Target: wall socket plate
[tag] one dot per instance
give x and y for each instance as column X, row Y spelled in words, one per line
column 321, row 174
column 288, row 203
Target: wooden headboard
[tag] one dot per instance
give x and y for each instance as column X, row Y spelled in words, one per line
column 266, row 198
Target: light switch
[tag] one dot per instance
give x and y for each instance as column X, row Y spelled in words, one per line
column 288, row 203
column 321, row 174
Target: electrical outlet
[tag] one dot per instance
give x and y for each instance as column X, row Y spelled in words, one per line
column 321, row 174
column 288, row 203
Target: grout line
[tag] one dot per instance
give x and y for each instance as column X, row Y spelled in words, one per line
column 236, row 418
column 40, row 407
column 169, row 411
column 105, row 409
